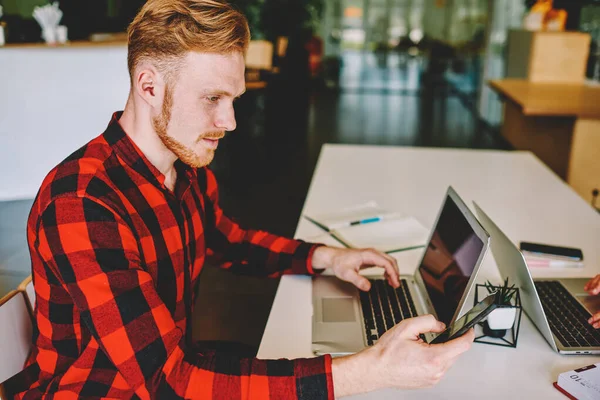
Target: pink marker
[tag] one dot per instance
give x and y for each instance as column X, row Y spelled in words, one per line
column 553, row 264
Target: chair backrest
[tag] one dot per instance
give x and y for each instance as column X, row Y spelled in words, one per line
column 30, row 291
column 30, row 294
column 15, row 334
column 27, row 287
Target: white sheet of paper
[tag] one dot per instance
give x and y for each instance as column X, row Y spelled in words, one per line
column 341, row 218
column 386, row 235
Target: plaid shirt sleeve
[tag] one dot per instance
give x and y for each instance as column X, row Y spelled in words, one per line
column 251, row 252
column 94, row 254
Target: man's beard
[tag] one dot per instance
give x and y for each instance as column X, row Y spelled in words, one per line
column 185, row 154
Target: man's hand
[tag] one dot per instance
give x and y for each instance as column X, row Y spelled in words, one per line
column 399, row 359
column 593, row 288
column 346, row 263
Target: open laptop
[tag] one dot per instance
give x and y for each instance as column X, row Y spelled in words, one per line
column 559, row 308
column 346, row 320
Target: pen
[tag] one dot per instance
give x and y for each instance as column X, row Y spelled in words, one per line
column 365, row 221
column 357, row 222
column 344, row 224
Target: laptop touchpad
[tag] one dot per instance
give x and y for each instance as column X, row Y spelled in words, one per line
column 338, row 309
column 592, row 303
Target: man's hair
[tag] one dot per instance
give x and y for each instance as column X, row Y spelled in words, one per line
column 164, row 31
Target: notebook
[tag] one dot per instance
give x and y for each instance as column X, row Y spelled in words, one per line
column 387, row 235
column 581, row 383
column 349, row 216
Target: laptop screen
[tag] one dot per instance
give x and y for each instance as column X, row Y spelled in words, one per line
column 449, row 260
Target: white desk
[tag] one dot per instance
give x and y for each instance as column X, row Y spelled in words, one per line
column 520, row 193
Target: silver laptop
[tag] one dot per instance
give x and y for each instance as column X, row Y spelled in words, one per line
column 558, row 308
column 346, row 320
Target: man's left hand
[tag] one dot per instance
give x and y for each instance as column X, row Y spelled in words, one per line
column 346, row 263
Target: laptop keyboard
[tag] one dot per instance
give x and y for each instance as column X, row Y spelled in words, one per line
column 383, row 307
column 567, row 318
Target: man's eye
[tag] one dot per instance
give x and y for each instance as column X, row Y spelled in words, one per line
column 213, row 99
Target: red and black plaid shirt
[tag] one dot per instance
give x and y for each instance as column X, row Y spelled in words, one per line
column 116, row 257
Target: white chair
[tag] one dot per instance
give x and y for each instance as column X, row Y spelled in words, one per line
column 27, row 287
column 15, row 335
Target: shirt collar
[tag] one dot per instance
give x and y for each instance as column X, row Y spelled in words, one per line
column 132, row 156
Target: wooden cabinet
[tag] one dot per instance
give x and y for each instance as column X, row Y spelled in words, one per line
column 551, row 57
column 559, row 123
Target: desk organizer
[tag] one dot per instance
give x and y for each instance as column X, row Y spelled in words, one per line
column 510, row 338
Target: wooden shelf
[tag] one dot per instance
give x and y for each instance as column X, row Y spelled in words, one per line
column 255, row 85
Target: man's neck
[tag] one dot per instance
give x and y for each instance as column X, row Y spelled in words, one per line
column 140, row 130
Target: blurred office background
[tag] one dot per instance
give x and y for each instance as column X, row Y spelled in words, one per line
column 371, row 72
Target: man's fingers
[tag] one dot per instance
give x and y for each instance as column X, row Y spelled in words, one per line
column 413, row 327
column 357, row 280
column 374, row 257
column 389, row 280
column 395, row 266
column 593, row 286
column 595, row 320
column 456, row 347
column 392, row 260
column 590, row 284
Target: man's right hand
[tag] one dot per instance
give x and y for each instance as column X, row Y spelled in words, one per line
column 593, row 288
column 400, row 359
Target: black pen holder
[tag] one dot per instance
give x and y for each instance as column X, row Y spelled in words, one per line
column 508, row 338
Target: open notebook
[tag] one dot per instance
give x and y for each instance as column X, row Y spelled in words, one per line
column 351, row 215
column 387, row 235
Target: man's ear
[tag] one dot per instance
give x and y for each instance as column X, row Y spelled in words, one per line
column 149, row 85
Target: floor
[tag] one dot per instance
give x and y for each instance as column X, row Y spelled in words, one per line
column 264, row 167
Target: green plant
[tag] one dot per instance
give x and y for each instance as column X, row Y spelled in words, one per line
column 269, row 19
column 290, row 18
column 506, row 292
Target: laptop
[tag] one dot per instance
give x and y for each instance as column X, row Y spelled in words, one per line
column 559, row 308
column 347, row 320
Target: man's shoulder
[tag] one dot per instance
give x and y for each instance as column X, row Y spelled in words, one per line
column 83, row 174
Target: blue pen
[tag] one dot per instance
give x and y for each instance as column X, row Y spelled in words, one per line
column 365, row 221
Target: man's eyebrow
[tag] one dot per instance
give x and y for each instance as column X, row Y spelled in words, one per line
column 219, row 92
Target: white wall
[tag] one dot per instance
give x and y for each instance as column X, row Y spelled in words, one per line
column 52, row 101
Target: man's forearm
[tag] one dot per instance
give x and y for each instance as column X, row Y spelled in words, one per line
column 354, row 374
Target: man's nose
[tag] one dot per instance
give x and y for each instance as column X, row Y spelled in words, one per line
column 226, row 119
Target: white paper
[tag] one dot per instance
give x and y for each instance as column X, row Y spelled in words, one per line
column 342, row 218
column 386, row 235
